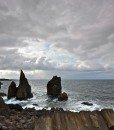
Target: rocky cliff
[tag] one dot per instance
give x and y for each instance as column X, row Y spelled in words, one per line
column 84, row 120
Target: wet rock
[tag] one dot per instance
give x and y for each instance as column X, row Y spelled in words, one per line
column 35, row 104
column 3, row 94
column 2, row 104
column 63, row 97
column 0, row 84
column 12, row 90
column 15, row 106
column 24, row 89
column 54, row 86
column 87, row 103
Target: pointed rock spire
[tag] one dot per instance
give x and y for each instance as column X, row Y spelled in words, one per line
column 22, row 75
column 24, row 89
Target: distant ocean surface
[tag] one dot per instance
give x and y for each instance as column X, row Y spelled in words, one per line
column 98, row 92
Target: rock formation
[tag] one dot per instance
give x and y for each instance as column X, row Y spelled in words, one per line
column 56, row 119
column 87, row 103
column 2, row 104
column 0, row 84
column 63, row 97
column 54, row 87
column 24, row 89
column 12, row 90
column 84, row 120
column 2, row 94
column 15, row 107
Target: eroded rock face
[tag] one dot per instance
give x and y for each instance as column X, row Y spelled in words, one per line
column 12, row 90
column 54, row 86
column 63, row 97
column 84, row 120
column 24, row 89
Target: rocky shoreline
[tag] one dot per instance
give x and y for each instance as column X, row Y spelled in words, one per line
column 56, row 119
column 14, row 117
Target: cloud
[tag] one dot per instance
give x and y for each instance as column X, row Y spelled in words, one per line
column 72, row 37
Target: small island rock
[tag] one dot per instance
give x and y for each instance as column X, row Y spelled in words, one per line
column 63, row 97
column 87, row 103
column 12, row 90
column 54, row 86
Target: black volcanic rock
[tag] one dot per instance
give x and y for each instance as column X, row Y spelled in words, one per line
column 54, row 87
column 0, row 84
column 2, row 94
column 15, row 107
column 12, row 90
column 2, row 104
column 24, row 89
column 1, row 101
column 87, row 103
column 63, row 97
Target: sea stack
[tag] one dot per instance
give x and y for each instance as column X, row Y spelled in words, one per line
column 12, row 90
column 54, row 87
column 24, row 89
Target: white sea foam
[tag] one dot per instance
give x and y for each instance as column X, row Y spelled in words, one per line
column 81, row 106
column 4, row 98
column 32, row 106
column 14, row 101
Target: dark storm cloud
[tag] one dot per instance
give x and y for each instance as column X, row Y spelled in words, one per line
column 81, row 29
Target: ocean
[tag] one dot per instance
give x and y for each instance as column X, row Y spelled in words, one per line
column 98, row 92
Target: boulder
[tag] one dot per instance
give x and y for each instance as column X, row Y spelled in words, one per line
column 87, row 103
column 54, row 86
column 24, row 89
column 12, row 90
column 63, row 97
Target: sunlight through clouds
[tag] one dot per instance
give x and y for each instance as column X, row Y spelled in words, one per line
column 67, row 38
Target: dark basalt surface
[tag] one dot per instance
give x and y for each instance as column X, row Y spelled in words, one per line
column 12, row 90
column 54, row 87
column 24, row 89
column 2, row 94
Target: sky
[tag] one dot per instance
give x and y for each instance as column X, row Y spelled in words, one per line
column 73, row 39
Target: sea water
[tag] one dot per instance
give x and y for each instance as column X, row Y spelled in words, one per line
column 98, row 92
